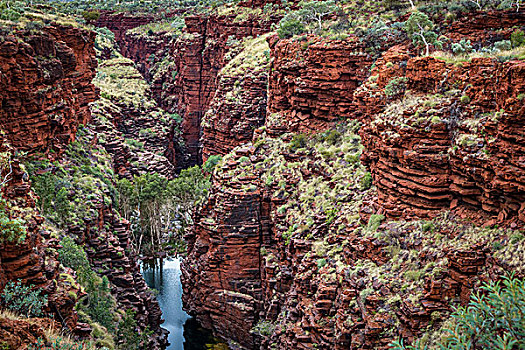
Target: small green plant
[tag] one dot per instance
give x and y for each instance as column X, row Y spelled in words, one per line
column 211, row 162
column 396, row 86
column 366, row 182
column 57, row 344
column 465, row 99
column 128, row 334
column 503, row 45
column 263, row 328
column 298, row 141
column 11, row 230
column 321, row 262
column 517, row 38
column 461, row 48
column 23, row 300
column 90, row 16
column 420, row 30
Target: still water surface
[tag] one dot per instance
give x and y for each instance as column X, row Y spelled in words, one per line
column 185, row 332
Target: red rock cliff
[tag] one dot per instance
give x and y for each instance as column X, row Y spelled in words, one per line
column 45, row 86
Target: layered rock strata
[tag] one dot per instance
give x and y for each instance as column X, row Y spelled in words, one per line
column 239, row 105
column 453, row 143
column 183, row 68
column 312, row 82
column 45, row 86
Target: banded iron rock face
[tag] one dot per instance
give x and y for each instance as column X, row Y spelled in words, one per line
column 188, row 85
column 433, row 153
column 45, row 91
column 46, row 86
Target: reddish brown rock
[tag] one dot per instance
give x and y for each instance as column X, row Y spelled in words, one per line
column 434, row 153
column 312, row 82
column 46, row 86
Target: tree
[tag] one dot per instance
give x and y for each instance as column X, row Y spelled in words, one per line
column 420, row 29
column 310, row 14
column 316, row 11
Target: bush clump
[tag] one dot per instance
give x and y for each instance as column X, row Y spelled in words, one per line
column 23, row 300
column 298, row 141
column 396, row 86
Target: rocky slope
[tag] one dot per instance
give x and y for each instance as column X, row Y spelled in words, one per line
column 46, row 87
column 296, row 249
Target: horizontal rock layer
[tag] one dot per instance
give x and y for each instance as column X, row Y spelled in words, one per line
column 45, row 86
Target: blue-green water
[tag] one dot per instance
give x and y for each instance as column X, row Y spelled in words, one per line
column 185, row 332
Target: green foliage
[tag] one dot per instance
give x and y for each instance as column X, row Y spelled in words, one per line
column 366, row 182
column 321, row 263
column 396, row 86
column 91, row 15
column 374, row 222
column 11, row 10
column 517, row 38
column 99, row 303
column 57, row 344
column 461, row 48
column 494, row 318
column 11, row 230
column 23, row 300
column 129, row 334
column 263, row 328
column 298, row 141
column 308, row 18
column 465, row 99
column 69, row 190
column 288, row 27
column 211, row 162
column 159, row 207
column 420, row 30
column 503, row 45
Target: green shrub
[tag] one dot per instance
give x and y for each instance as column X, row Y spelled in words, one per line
column 366, row 182
column 374, row 222
column 11, row 230
column 129, row 335
column 99, row 303
column 396, row 86
column 461, row 48
column 23, row 300
column 517, row 38
column 503, row 45
column 57, row 344
column 307, row 19
column 211, row 162
column 288, row 27
column 91, row 15
column 465, row 99
column 298, row 141
column 494, row 318
column 263, row 328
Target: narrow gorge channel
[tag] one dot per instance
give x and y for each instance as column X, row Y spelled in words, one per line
column 185, row 333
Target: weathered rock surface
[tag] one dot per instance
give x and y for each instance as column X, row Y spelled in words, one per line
column 45, row 86
column 309, row 274
column 27, row 259
column 455, row 143
column 239, row 105
column 188, row 84
column 312, row 82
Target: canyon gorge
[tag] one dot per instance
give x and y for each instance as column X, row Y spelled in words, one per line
column 304, row 175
